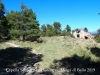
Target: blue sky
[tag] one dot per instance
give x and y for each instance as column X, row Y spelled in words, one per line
column 76, row 13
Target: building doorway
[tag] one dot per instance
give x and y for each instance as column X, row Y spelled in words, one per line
column 78, row 35
column 86, row 37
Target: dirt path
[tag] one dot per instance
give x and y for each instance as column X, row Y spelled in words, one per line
column 12, row 44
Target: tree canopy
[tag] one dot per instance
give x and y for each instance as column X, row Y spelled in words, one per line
column 85, row 29
column 68, row 29
column 57, row 28
column 98, row 31
column 23, row 23
column 43, row 30
column 3, row 22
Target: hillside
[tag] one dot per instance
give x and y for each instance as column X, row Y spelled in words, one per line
column 57, row 48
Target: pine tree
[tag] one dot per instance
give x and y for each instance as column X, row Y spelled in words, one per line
column 98, row 31
column 57, row 28
column 50, row 30
column 85, row 29
column 43, row 30
column 77, row 29
column 3, row 22
column 68, row 29
column 23, row 23
column 63, row 33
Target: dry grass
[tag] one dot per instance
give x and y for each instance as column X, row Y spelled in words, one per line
column 59, row 47
column 3, row 45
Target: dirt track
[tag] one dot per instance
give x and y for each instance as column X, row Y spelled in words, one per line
column 12, row 44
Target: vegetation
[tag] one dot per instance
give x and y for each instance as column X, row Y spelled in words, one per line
column 98, row 31
column 57, row 28
column 23, row 23
column 64, row 33
column 43, row 30
column 4, row 29
column 97, row 37
column 55, row 49
column 50, row 30
column 40, row 40
column 85, row 29
column 68, row 29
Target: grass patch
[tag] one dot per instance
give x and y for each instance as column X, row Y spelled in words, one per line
column 58, row 48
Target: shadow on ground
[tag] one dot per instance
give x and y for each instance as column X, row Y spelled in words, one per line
column 16, row 59
column 95, row 51
column 76, row 65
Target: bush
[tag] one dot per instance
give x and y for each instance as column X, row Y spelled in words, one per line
column 39, row 40
column 32, row 38
column 97, row 38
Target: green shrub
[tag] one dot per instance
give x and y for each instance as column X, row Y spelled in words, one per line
column 97, row 38
column 39, row 40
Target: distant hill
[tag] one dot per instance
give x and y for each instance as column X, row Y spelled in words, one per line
column 94, row 32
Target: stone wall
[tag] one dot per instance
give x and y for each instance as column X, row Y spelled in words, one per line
column 82, row 34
